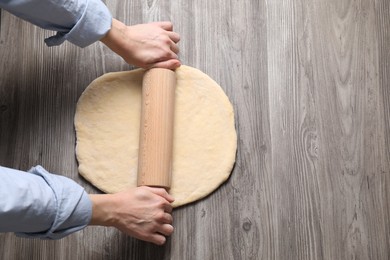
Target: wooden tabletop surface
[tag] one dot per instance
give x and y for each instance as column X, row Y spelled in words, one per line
column 310, row 85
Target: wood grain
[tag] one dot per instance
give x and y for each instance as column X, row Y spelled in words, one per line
column 156, row 130
column 309, row 81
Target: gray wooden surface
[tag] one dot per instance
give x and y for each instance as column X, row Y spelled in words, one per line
column 309, row 81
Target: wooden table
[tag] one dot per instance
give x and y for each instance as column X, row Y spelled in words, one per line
column 310, row 84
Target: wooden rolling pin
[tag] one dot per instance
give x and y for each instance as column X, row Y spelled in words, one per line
column 156, row 129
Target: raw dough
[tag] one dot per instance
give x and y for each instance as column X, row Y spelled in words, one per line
column 107, row 127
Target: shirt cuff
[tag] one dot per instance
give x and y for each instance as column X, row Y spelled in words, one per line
column 73, row 206
column 93, row 25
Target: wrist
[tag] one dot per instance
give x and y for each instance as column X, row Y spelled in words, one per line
column 115, row 37
column 102, row 209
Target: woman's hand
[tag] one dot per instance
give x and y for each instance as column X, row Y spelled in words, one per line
column 143, row 212
column 145, row 45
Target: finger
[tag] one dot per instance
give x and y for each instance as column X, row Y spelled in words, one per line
column 165, row 53
column 174, row 48
column 175, row 37
column 166, row 25
column 166, row 219
column 171, row 55
column 157, row 239
column 168, row 64
column 165, row 229
column 168, row 208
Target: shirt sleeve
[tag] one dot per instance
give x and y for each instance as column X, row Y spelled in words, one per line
column 81, row 22
column 42, row 205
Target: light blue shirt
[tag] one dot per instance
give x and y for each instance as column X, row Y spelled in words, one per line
column 81, row 22
column 40, row 204
column 37, row 203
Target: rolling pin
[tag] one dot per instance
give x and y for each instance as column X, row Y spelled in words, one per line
column 156, row 128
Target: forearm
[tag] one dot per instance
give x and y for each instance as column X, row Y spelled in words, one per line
column 40, row 204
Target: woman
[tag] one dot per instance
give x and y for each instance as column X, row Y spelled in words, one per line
column 44, row 205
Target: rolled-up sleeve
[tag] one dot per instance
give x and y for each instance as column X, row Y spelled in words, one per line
column 81, row 22
column 42, row 205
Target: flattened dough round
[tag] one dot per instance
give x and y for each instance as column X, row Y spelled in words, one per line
column 107, row 125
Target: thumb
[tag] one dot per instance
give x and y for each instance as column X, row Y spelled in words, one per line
column 168, row 64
